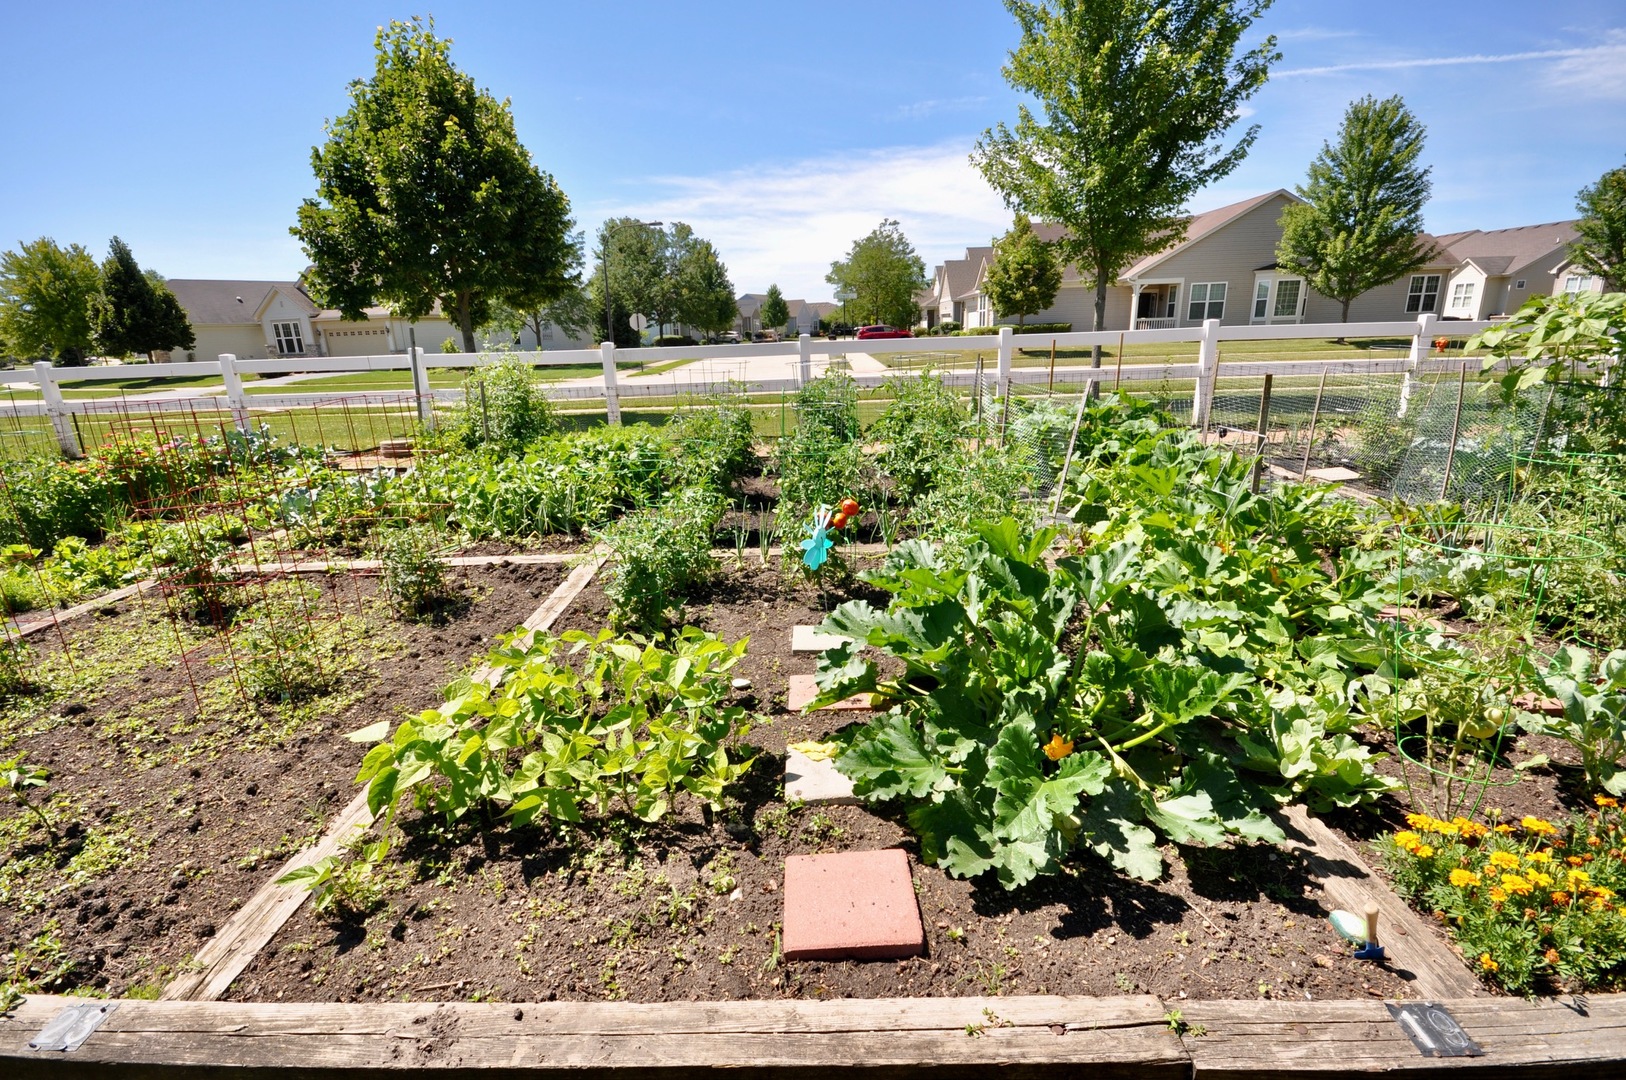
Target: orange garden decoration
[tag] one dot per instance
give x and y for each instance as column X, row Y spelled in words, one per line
column 1533, row 905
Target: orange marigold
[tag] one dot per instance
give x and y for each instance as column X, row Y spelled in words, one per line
column 1605, row 800
column 1504, row 860
column 1551, row 956
column 1515, row 884
column 1486, row 963
column 1462, row 879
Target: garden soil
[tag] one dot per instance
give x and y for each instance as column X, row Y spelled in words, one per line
column 171, row 817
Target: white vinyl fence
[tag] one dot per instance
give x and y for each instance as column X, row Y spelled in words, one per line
column 788, row 364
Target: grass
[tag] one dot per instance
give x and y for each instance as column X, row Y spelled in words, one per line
column 1174, row 352
column 363, row 382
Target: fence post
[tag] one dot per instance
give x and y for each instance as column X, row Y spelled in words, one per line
column 420, row 387
column 235, row 398
column 612, row 398
column 57, row 410
column 1202, row 399
column 1002, row 382
column 804, row 354
column 1414, row 359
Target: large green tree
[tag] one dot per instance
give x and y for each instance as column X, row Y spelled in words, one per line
column 45, row 295
column 635, row 253
column 883, row 273
column 1135, row 98
column 1360, row 224
column 668, row 275
column 774, row 312
column 425, row 194
column 1601, row 246
column 706, row 295
column 134, row 311
column 1024, row 275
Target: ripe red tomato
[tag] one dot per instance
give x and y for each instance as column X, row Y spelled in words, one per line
column 849, row 507
column 838, row 521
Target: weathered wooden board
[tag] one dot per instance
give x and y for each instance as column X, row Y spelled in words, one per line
column 948, row 1037
column 1275, row 1040
column 325, row 566
column 35, row 621
column 224, row 956
column 1429, row 965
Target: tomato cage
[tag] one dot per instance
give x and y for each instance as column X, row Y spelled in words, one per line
column 1479, row 617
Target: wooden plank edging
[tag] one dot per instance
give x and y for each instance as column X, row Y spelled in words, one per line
column 224, row 956
column 25, row 626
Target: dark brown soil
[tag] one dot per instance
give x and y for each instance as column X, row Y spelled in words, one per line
column 176, row 798
column 690, row 910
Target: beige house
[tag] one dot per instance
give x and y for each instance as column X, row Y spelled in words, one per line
column 804, row 315
column 953, row 295
column 1225, row 268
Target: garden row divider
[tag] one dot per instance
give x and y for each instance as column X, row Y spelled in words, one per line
column 1416, row 952
column 321, row 566
column 234, row 947
column 1107, row 1038
column 24, row 627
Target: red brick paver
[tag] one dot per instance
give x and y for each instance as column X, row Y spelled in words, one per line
column 857, row 905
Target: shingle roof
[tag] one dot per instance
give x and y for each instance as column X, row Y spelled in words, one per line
column 208, row 302
column 1502, row 251
column 961, row 274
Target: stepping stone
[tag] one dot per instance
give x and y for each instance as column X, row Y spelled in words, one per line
column 1335, row 474
column 803, row 690
column 808, row 639
column 816, row 783
column 855, row 905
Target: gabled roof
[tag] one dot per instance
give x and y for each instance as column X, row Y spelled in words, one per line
column 1501, row 252
column 1204, row 225
column 960, row 275
column 208, row 302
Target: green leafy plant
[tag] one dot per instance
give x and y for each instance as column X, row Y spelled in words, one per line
column 503, row 407
column 20, row 779
column 657, row 555
column 716, row 444
column 565, row 726
column 414, row 572
column 921, row 433
column 1592, row 691
column 284, row 649
column 345, row 886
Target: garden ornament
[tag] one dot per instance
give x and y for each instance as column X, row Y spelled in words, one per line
column 1363, row 931
column 816, row 548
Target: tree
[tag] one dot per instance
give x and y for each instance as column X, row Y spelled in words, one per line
column 425, row 194
column 1136, row 97
column 1024, row 275
column 1601, row 247
column 1358, row 226
column 883, row 273
column 636, row 254
column 571, row 311
column 706, row 296
column 134, row 311
column 774, row 312
column 45, row 294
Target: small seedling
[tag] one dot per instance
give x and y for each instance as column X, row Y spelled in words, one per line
column 19, row 778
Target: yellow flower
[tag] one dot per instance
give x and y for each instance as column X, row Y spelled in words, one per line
column 1576, row 860
column 1407, row 840
column 1515, row 884
column 1604, row 800
column 1537, row 878
column 1540, row 858
column 1504, row 860
column 1497, row 894
column 1424, row 851
column 1560, row 896
column 1419, row 821
column 1601, row 892
column 1486, row 963
column 1463, row 878
column 1469, row 829
column 1058, row 747
column 1537, row 825
column 1576, row 878
column 1504, row 829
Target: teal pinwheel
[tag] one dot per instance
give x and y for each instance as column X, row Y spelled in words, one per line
column 816, row 548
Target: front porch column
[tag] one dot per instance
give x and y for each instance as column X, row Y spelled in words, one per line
column 1134, row 306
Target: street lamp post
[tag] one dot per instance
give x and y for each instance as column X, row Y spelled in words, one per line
column 609, row 308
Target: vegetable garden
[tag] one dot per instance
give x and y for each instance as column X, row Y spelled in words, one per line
column 1084, row 664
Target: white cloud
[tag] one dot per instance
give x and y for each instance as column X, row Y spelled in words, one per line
column 919, row 110
column 786, row 224
column 1581, row 58
column 1314, row 33
column 1599, row 75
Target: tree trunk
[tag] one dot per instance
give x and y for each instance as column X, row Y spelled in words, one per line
column 1345, row 318
column 1099, row 324
column 465, row 319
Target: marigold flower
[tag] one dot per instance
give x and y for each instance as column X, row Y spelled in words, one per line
column 1469, row 829
column 1551, row 956
column 1486, row 963
column 1419, row 821
column 1593, row 841
column 1575, row 860
column 1561, row 897
column 1515, row 884
column 1578, row 877
column 1504, row 829
column 1540, row 858
column 1539, row 879
column 1407, row 840
column 1605, row 800
column 1497, row 894
column 1058, row 747
column 1424, row 851
column 1504, row 860
column 1537, row 825
column 1463, row 878
column 1531, row 913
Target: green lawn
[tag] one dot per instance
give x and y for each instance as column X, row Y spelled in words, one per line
column 1174, row 352
column 366, row 382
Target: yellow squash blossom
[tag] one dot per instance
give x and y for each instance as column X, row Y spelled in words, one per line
column 1058, row 747
column 1463, row 878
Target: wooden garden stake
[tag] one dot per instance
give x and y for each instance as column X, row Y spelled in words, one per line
column 1315, row 414
column 1051, row 387
column 1456, row 426
column 1118, row 375
column 1264, row 418
column 1067, row 461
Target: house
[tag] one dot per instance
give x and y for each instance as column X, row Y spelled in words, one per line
column 254, row 320
column 804, row 315
column 1225, row 268
column 953, row 295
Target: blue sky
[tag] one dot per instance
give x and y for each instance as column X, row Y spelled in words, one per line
column 782, row 131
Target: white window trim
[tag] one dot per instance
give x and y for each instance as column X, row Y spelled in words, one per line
column 1207, row 301
column 1462, row 294
column 1439, row 280
column 295, row 335
column 1272, row 281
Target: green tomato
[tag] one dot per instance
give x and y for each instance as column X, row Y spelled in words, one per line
column 1486, row 726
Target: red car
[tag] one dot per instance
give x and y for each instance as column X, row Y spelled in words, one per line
column 869, row 332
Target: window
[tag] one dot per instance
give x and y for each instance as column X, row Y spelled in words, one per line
column 547, row 331
column 1287, row 298
column 1519, row 284
column 1462, row 294
column 1424, row 294
column 1578, row 283
column 1174, row 294
column 1261, row 299
column 1207, row 301
column 289, row 340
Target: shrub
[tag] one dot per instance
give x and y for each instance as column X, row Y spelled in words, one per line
column 715, row 444
column 414, row 574
column 657, row 555
column 504, row 407
column 1533, row 907
column 973, row 487
column 675, row 339
column 920, row 431
column 450, row 345
column 1030, row 328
